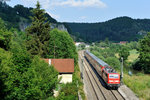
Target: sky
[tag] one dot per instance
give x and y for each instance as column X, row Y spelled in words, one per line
column 90, row 10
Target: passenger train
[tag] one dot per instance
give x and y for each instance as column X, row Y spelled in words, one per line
column 107, row 73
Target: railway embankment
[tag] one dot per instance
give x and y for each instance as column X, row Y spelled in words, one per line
column 127, row 93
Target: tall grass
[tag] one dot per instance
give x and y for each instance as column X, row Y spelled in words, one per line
column 133, row 55
column 140, row 84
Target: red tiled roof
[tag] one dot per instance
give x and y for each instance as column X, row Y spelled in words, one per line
column 123, row 42
column 62, row 65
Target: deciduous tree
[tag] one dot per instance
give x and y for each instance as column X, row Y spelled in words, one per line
column 145, row 53
column 61, row 45
column 5, row 36
column 124, row 52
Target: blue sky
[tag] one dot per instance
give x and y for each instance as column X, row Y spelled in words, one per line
column 90, row 10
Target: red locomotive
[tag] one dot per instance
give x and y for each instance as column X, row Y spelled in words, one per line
column 108, row 74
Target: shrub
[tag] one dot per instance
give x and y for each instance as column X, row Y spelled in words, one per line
column 68, row 92
column 114, row 62
column 36, row 81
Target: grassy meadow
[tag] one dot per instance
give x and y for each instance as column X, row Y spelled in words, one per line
column 133, row 55
column 139, row 83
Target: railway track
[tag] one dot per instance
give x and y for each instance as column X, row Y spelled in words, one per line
column 99, row 87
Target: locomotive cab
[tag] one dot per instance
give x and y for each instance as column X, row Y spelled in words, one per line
column 113, row 77
column 113, row 80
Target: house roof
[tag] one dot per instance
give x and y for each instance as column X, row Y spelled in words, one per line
column 62, row 65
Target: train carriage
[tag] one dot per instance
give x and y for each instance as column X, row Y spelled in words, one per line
column 108, row 74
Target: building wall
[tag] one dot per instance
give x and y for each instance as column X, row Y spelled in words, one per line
column 66, row 78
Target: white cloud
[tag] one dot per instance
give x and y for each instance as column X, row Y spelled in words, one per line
column 79, row 3
column 47, row 4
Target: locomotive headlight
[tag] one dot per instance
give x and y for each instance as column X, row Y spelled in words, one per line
column 116, row 81
column 111, row 81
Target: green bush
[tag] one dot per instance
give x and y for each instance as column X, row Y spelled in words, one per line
column 41, row 80
column 114, row 62
column 5, row 36
column 144, row 51
column 5, row 69
column 68, row 92
column 36, row 81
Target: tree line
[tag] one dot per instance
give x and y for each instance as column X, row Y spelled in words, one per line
column 117, row 29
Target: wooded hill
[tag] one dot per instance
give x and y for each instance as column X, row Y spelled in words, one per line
column 17, row 15
column 118, row 29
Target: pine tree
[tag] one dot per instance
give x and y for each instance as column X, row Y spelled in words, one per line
column 38, row 32
column 145, row 53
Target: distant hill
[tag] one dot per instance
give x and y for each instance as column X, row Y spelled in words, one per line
column 118, row 29
column 18, row 16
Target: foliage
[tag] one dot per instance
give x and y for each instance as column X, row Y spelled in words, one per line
column 2, row 25
column 61, row 45
column 13, row 15
column 23, row 77
column 124, row 52
column 68, row 92
column 137, row 65
column 5, row 36
column 38, row 33
column 77, row 75
column 133, row 45
column 133, row 55
column 23, row 11
column 107, row 41
column 81, row 47
column 45, row 78
column 9, row 15
column 145, row 53
column 29, row 79
column 114, row 62
column 107, row 52
column 5, row 69
column 20, row 57
column 139, row 83
column 117, row 29
column 103, row 44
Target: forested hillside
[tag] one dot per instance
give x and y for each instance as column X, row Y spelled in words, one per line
column 18, row 15
column 118, row 29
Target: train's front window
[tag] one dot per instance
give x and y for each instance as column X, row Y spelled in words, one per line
column 113, row 76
